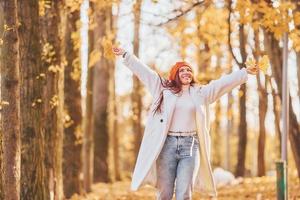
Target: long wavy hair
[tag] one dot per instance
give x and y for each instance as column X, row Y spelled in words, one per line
column 175, row 86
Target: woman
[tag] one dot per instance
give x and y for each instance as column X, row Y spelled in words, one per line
column 175, row 150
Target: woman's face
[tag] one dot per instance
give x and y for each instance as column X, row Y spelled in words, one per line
column 185, row 75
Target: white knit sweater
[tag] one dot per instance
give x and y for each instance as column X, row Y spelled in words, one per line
column 184, row 116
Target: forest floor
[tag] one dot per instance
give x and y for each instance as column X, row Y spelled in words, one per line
column 256, row 188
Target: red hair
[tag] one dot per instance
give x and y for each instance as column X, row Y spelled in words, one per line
column 176, row 67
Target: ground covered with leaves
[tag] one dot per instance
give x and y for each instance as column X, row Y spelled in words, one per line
column 263, row 188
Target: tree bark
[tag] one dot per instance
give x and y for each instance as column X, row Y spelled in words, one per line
column 72, row 165
column 240, row 169
column 242, row 129
column 262, row 111
column 10, row 92
column 54, row 100
column 276, row 110
column 100, row 100
column 115, row 129
column 114, row 105
column 33, row 182
column 137, row 88
column 262, row 106
column 88, row 144
column 1, row 135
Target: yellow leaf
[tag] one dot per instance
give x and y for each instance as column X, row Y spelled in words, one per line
column 263, row 63
column 94, row 57
column 5, row 27
column 54, row 101
column 250, row 62
column 107, row 46
column 256, row 25
column 297, row 18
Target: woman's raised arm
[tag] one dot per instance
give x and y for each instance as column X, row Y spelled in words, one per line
column 145, row 74
column 216, row 88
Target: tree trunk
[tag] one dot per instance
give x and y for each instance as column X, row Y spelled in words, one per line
column 262, row 106
column 240, row 168
column 276, row 110
column 33, row 182
column 275, row 53
column 115, row 135
column 1, row 151
column 137, row 88
column 72, row 165
column 262, row 110
column 114, row 105
column 10, row 93
column 242, row 129
column 88, row 144
column 100, row 100
column 54, row 100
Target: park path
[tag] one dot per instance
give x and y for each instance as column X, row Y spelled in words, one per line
column 263, row 188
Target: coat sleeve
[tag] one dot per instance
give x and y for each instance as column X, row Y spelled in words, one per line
column 145, row 74
column 216, row 88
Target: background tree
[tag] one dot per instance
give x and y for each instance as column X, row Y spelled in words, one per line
column 32, row 75
column 102, row 17
column 72, row 159
column 262, row 110
column 10, row 102
column 242, row 129
column 53, row 94
column 88, row 121
column 114, row 122
column 1, row 31
column 137, row 94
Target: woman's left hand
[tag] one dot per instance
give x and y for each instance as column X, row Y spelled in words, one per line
column 252, row 69
column 118, row 51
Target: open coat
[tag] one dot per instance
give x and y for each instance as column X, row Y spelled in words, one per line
column 157, row 124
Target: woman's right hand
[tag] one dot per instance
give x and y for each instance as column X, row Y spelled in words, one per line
column 118, row 51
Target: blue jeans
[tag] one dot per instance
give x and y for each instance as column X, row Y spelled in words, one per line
column 176, row 161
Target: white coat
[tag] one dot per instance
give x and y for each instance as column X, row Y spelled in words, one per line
column 157, row 125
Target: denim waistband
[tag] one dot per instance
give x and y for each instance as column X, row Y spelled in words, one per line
column 179, row 133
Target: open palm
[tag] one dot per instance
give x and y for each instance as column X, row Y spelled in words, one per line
column 118, row 51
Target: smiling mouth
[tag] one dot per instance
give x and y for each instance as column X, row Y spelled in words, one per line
column 187, row 77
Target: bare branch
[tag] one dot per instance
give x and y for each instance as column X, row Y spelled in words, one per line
column 229, row 32
column 181, row 13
